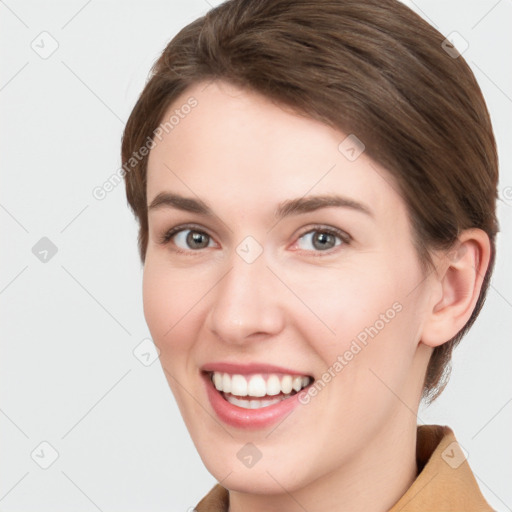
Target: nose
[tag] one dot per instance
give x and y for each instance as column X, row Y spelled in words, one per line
column 245, row 304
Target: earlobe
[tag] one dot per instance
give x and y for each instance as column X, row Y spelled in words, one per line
column 460, row 273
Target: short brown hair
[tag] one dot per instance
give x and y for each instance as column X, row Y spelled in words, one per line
column 373, row 68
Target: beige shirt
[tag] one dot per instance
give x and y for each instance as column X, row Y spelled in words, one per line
column 445, row 482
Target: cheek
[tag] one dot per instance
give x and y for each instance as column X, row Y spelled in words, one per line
column 158, row 305
column 338, row 303
column 364, row 312
column 168, row 299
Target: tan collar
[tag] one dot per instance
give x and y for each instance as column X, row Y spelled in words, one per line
column 445, row 481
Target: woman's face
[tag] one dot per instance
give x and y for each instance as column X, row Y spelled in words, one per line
column 332, row 293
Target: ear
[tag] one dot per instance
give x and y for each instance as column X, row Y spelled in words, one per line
column 456, row 287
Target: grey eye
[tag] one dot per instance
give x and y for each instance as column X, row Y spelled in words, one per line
column 194, row 240
column 320, row 240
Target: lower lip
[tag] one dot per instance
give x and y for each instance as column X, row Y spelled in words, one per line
column 248, row 418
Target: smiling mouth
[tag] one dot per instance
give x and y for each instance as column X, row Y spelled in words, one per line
column 258, row 390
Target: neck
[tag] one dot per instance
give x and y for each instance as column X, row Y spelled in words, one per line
column 373, row 482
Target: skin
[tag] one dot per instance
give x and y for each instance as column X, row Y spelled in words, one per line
column 352, row 448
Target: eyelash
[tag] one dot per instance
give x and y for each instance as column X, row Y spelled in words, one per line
column 345, row 238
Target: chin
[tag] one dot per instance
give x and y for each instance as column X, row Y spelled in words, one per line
column 256, row 483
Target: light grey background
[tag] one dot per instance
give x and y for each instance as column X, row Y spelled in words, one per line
column 70, row 325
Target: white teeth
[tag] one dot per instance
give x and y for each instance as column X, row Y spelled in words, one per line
column 273, row 386
column 257, row 386
column 226, row 383
column 217, row 380
column 297, row 383
column 286, row 384
column 254, row 404
column 238, row 385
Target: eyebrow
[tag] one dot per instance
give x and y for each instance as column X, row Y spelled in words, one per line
column 284, row 209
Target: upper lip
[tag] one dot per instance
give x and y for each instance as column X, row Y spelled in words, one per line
column 249, row 368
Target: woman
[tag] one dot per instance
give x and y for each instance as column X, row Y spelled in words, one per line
column 315, row 184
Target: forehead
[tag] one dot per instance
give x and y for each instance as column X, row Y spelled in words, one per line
column 237, row 146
